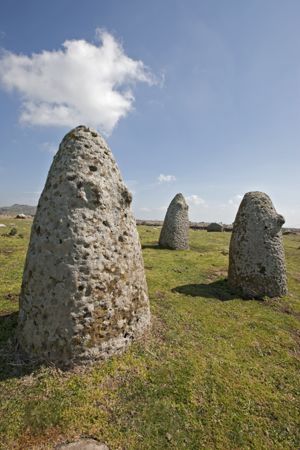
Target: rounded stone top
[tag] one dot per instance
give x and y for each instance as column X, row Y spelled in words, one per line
column 258, row 210
column 179, row 201
column 83, row 131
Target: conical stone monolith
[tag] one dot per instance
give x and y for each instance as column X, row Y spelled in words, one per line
column 175, row 230
column 256, row 254
column 84, row 293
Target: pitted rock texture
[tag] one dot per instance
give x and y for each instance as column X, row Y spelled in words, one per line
column 175, row 230
column 256, row 254
column 84, row 293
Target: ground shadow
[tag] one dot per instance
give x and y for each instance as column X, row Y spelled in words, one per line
column 217, row 289
column 153, row 246
column 12, row 365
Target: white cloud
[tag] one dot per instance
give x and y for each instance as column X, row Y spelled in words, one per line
column 49, row 147
column 236, row 200
column 158, row 209
column 195, row 200
column 80, row 83
column 145, row 209
column 166, row 178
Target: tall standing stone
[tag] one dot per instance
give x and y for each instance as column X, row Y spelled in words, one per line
column 256, row 254
column 84, row 294
column 175, row 230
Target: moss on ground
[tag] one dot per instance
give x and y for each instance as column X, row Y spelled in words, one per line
column 216, row 372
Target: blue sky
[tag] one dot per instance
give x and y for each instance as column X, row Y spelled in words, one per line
column 194, row 96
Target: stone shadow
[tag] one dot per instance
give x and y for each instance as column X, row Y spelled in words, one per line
column 153, row 246
column 12, row 365
column 217, row 289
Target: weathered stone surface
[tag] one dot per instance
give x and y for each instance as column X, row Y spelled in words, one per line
column 214, row 227
column 175, row 230
column 256, row 254
column 83, row 444
column 84, row 294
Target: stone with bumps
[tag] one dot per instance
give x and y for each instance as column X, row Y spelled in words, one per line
column 256, row 254
column 84, row 293
column 175, row 230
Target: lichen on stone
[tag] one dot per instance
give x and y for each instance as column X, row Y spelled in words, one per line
column 84, row 294
column 256, row 253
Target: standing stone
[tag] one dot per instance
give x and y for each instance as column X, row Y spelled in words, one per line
column 175, row 230
column 256, row 254
column 84, row 294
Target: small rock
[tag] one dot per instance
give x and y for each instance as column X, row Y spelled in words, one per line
column 168, row 437
column 13, row 232
column 2, row 225
column 83, row 444
column 20, row 216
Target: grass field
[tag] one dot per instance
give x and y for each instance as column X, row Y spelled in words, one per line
column 216, row 372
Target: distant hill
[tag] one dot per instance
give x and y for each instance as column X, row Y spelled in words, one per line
column 18, row 209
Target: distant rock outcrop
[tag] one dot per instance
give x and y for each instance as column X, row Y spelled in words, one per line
column 84, row 293
column 214, row 227
column 175, row 231
column 18, row 209
column 256, row 254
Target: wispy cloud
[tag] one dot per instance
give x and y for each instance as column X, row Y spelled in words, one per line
column 166, row 178
column 80, row 83
column 236, row 200
column 195, row 200
column 49, row 147
column 131, row 185
column 158, row 209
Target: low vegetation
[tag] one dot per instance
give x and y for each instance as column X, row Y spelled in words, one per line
column 216, row 372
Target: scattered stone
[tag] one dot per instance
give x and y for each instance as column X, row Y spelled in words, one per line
column 287, row 232
column 228, row 228
column 20, row 216
column 13, row 232
column 169, row 437
column 83, row 444
column 84, row 293
column 256, row 254
column 150, row 223
column 198, row 225
column 175, row 231
column 214, row 227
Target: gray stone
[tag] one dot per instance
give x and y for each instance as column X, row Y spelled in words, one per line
column 20, row 216
column 83, row 444
column 256, row 254
column 175, row 230
column 84, row 293
column 214, row 227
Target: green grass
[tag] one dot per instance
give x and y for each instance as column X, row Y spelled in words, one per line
column 216, row 372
